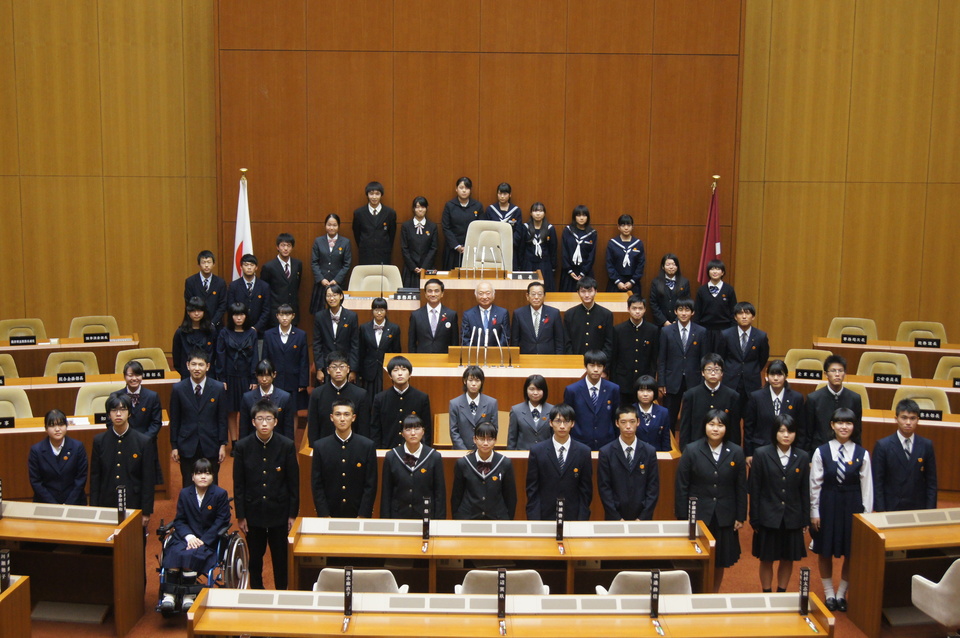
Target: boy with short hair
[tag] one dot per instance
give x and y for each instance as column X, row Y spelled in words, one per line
column 588, row 325
column 267, row 390
column 711, row 394
column 395, row 404
column 678, row 367
column 252, row 292
column 198, row 419
column 209, row 287
column 625, row 259
column 745, row 352
column 344, row 474
column 374, row 228
column 560, row 468
column 339, row 387
column 286, row 346
column 822, row 403
column 470, row 408
column 484, row 486
column 628, row 478
column 145, row 413
column 283, row 275
column 636, row 346
column 595, row 401
column 904, row 466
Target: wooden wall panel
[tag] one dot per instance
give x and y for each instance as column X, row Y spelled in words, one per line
column 697, row 26
column 58, row 87
column 809, row 84
column 892, row 90
column 756, row 85
column 199, row 89
column 64, row 223
column 877, row 219
column 262, row 24
column 13, row 302
column 349, row 25
column 945, row 126
column 610, row 26
column 748, row 258
column 9, row 152
column 202, row 230
column 938, row 285
column 693, row 136
column 268, row 136
column 137, row 35
column 437, row 25
column 521, row 140
column 528, row 26
column 607, row 141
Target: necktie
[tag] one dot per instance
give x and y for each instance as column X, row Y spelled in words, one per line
column 249, row 288
column 743, row 343
column 286, row 271
column 629, row 455
column 594, row 397
column 560, row 458
column 433, row 322
column 906, row 447
column 713, row 290
column 484, row 467
column 197, row 391
column 776, row 406
column 206, row 285
column 135, row 399
column 683, row 338
column 486, row 319
column 535, row 414
column 841, row 466
column 473, row 408
column 536, row 323
column 671, row 283
column 409, row 459
column 647, row 417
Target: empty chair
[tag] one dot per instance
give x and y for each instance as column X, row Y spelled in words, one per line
column 488, row 244
column 14, row 402
column 852, row 326
column 8, row 367
column 441, row 430
column 872, row 363
column 939, row 600
column 92, row 396
column 805, row 359
column 22, row 328
column 910, row 330
column 948, row 368
column 70, row 362
column 149, row 358
column 520, row 581
column 675, row 581
column 92, row 325
column 859, row 388
column 375, row 278
column 926, row 398
column 376, row 581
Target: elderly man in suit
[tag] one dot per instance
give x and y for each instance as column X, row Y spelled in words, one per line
column 433, row 328
column 485, row 324
column 538, row 328
column 904, row 466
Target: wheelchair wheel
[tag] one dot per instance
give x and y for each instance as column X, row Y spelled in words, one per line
column 236, row 574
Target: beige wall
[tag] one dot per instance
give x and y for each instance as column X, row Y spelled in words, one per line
column 849, row 172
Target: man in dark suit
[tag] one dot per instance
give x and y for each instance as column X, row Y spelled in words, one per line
column 209, row 287
column 537, row 328
column 485, row 324
column 283, row 275
column 198, row 419
column 252, row 292
column 560, row 468
column 745, row 352
column 268, row 390
column 636, row 345
column 678, row 362
column 286, row 347
column 323, row 396
column 146, row 415
column 266, row 493
column 822, row 403
column 595, row 400
column 628, row 478
column 344, row 470
column 433, row 328
column 904, row 466
column 765, row 404
column 588, row 326
column 706, row 396
column 374, row 228
column 395, row 404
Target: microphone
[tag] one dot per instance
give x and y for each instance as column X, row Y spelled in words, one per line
column 483, row 259
column 486, row 344
column 473, row 330
column 495, row 336
column 381, row 279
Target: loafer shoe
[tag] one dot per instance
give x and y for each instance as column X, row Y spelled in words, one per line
column 841, row 604
column 831, row 604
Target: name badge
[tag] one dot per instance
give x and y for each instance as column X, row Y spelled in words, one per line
column 94, row 337
column 24, row 340
column 858, row 339
column 889, row 379
column 809, row 374
column 72, row 377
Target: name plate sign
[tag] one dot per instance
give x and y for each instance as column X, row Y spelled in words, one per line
column 153, row 374
column 926, row 343
column 7, row 422
column 23, row 340
column 857, row 339
column 809, row 374
column 889, row 379
column 94, row 337
column 72, row 377
column 931, row 415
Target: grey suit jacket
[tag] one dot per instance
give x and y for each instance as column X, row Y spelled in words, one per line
column 524, row 432
column 462, row 422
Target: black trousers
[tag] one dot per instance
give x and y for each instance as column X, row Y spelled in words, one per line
column 257, row 540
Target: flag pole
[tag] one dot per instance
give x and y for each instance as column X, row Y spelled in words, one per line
column 713, row 187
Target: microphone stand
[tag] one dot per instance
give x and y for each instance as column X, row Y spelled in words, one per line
column 486, row 345
column 473, row 331
column 495, row 336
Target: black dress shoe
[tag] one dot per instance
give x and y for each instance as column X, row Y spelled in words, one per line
column 831, row 604
column 841, row 604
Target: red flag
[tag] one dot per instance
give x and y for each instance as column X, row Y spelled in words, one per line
column 243, row 239
column 711, row 239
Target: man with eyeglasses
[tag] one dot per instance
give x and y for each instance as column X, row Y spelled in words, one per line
column 337, row 387
column 538, row 328
column 560, row 467
column 706, row 396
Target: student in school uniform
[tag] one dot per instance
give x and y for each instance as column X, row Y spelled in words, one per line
column 578, row 249
column 419, row 241
column 654, row 428
column 628, row 478
column 588, row 325
column 283, row 275
column 378, row 337
column 822, row 403
column 412, row 472
column 267, row 390
column 711, row 394
column 374, row 228
column 765, row 404
column 470, row 408
column 509, row 213
column 336, row 329
column 57, row 465
column 338, row 386
column 285, row 346
column 253, row 292
column 625, row 259
column 538, row 328
column 559, row 467
column 678, row 361
column 344, row 468
column 745, row 352
column 208, row 287
column 904, row 466
column 236, row 363
column 395, row 404
column 484, row 486
column 636, row 348
column 145, row 413
column 330, row 261
column 529, row 422
column 538, row 246
column 714, row 304
column 667, row 287
column 198, row 419
column 595, row 401
column 433, row 328
column 458, row 213
column 195, row 331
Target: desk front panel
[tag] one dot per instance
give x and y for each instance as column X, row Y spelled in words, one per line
column 46, row 394
column 15, row 609
column 945, row 436
column 32, row 360
column 923, row 361
column 881, row 394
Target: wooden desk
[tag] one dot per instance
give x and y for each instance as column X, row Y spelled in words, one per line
column 106, row 571
column 923, row 361
column 15, row 609
column 924, row 542
column 226, row 612
column 45, row 393
column 31, row 360
column 665, row 543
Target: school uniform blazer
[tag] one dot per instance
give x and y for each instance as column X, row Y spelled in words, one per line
column 697, row 401
column 286, row 405
column 779, row 494
column 291, row 359
column 371, row 353
column 320, row 407
column 479, row 496
column 454, row 221
column 147, row 416
column 403, row 487
column 628, row 491
column 184, row 343
column 418, row 251
column 257, row 301
column 525, row 432
column 266, row 480
column 374, row 234
column 420, row 338
column 203, row 519
column 594, row 426
column 499, row 323
column 283, row 290
column 59, row 479
column 676, row 364
column 657, row 433
column 635, row 353
column 344, row 476
column 347, row 340
column 758, row 424
column 215, row 299
column 720, row 488
column 546, row 483
column 741, row 370
column 663, row 301
column 129, row 460
column 463, row 423
column 588, row 329
column 900, row 483
column 818, row 410
column 198, row 427
column 550, row 339
column 390, row 408
column 332, row 265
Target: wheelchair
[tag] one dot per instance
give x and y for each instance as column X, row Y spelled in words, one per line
column 231, row 569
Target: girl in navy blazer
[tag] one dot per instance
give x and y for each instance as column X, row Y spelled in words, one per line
column 654, row 426
column 527, row 429
column 196, row 331
column 236, row 363
column 330, row 265
column 58, row 465
column 667, row 287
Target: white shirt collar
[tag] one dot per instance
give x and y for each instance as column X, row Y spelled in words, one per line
column 624, row 446
column 374, row 211
column 262, row 393
column 417, row 453
column 590, row 386
column 774, row 395
column 566, row 446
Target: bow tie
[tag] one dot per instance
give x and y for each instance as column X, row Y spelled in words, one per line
column 378, row 328
column 410, row 459
column 484, row 466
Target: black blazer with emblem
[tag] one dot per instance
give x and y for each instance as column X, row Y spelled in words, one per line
column 371, row 353
column 663, row 300
column 902, row 484
column 418, row 251
column 390, row 408
column 58, row 479
column 676, row 364
column 419, row 338
column 344, row 476
column 479, row 496
column 697, row 401
column 546, row 483
column 257, row 302
column 404, row 487
column 758, row 427
column 374, row 234
column 291, row 359
column 739, row 370
column 346, row 341
column 525, row 431
column 720, row 488
column 550, row 339
column 266, row 480
column 628, row 491
column 283, row 290
column 286, row 406
column 146, row 417
column 779, row 494
column 198, row 427
column 215, row 299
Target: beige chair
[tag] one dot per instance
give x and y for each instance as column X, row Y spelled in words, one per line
column 93, row 324
column 381, row 279
column 859, row 388
column 8, row 367
column 940, row 601
column 488, row 244
column 14, row 402
column 70, row 362
column 926, row 398
column 149, row 358
column 520, row 581
column 374, row 581
column 948, row 368
column 675, row 581
column 910, row 330
column 852, row 326
column 872, row 363
column 441, row 430
column 805, row 359
column 92, row 397
column 22, row 328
